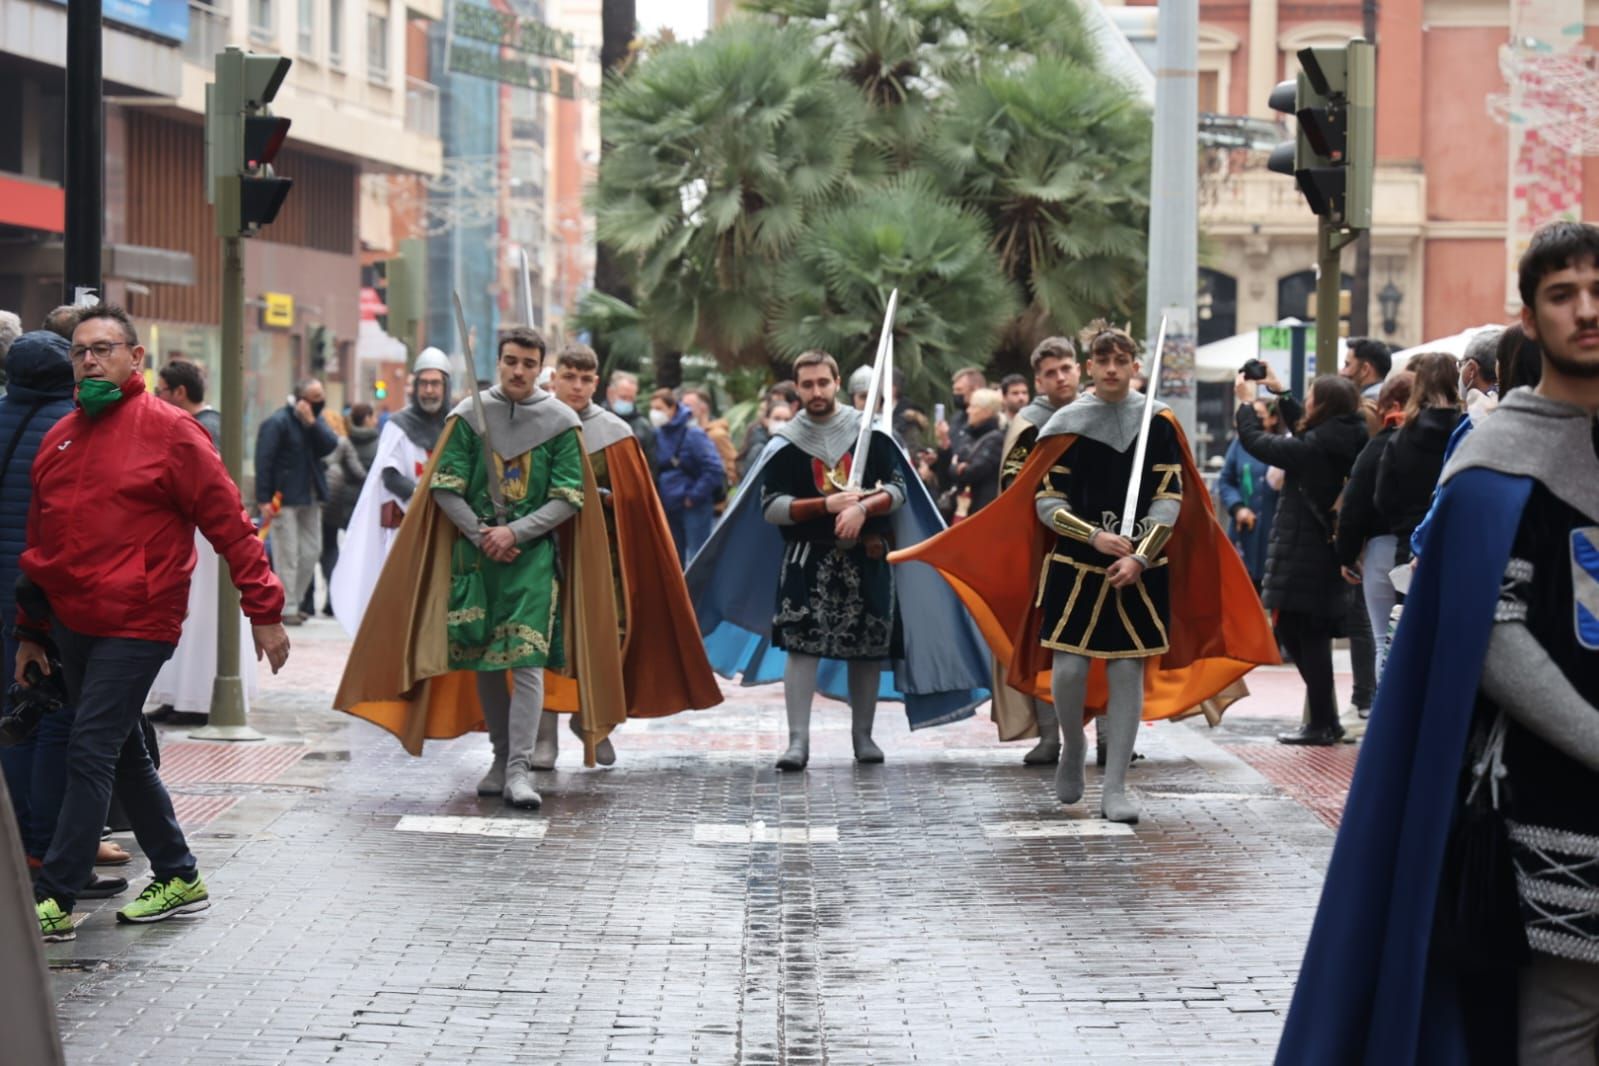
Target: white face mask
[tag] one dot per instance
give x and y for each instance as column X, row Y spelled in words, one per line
column 658, row 417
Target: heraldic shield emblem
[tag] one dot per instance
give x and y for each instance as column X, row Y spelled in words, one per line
column 1585, row 584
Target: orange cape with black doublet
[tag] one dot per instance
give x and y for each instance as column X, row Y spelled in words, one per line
column 1218, row 630
column 399, row 676
column 664, row 669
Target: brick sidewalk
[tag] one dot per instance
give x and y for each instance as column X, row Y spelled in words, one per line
column 693, row 906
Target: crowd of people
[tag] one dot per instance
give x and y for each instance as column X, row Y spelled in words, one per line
column 498, row 553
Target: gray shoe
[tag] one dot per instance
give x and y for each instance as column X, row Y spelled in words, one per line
column 1045, row 753
column 867, row 751
column 493, row 783
column 604, row 751
column 546, row 748
column 1117, row 806
column 796, row 757
column 1069, row 779
column 519, row 790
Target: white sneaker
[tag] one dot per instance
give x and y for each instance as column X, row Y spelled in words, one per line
column 1354, row 725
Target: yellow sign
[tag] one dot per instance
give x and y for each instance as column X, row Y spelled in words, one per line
column 279, row 311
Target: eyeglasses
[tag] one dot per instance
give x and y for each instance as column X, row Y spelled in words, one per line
column 100, row 349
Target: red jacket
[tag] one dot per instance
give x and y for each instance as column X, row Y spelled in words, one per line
column 116, row 500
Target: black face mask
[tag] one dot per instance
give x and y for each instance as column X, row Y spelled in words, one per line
column 960, row 403
column 316, row 408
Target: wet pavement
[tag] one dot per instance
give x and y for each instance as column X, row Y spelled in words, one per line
column 691, row 905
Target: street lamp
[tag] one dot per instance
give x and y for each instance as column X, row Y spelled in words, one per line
column 1390, row 298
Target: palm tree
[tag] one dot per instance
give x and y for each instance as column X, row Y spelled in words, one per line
column 1056, row 158
column 722, row 150
column 953, row 297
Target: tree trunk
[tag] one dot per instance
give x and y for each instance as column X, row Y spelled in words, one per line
column 668, row 369
column 618, row 20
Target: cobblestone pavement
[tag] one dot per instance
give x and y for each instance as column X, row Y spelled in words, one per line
column 691, row 905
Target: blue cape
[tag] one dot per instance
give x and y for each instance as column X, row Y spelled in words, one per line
column 1368, row 991
column 732, row 580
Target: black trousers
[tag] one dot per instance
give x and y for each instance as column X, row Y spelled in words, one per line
column 1307, row 638
column 107, row 680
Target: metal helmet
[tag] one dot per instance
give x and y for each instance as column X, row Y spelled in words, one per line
column 431, row 359
column 860, row 382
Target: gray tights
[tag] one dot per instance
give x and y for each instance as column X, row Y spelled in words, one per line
column 512, row 717
column 799, row 692
column 1069, row 682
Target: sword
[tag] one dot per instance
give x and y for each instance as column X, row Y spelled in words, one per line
column 874, row 394
column 496, row 494
column 527, row 288
column 1131, row 507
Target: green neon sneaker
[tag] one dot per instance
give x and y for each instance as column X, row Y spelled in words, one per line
column 166, row 899
column 55, row 924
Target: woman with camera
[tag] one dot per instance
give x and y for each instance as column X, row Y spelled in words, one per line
column 1302, row 582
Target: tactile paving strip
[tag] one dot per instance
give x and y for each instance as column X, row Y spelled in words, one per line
column 188, row 762
column 1317, row 778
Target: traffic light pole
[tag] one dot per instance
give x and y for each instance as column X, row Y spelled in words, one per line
column 85, row 155
column 227, row 717
column 1330, row 243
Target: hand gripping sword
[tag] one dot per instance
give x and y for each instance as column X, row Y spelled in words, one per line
column 1130, row 509
column 496, row 493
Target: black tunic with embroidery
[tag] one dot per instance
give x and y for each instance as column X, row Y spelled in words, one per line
column 1081, row 612
column 835, row 602
column 1551, row 586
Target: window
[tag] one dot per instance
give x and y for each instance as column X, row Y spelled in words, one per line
column 261, row 19
column 336, row 32
column 307, row 27
column 377, row 47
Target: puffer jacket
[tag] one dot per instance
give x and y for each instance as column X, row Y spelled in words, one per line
column 1301, row 568
column 691, row 472
column 38, row 395
column 1409, row 470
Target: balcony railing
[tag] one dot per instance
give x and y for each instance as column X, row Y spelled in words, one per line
column 421, row 107
column 208, row 34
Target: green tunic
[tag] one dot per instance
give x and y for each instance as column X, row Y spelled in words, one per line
column 507, row 615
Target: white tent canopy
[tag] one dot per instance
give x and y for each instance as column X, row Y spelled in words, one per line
column 1455, row 344
column 1220, row 361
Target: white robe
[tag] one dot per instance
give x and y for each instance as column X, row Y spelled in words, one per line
column 366, row 543
column 186, row 679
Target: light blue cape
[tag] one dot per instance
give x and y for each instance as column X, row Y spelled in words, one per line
column 732, row 580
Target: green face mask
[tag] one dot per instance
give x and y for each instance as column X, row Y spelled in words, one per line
column 95, row 395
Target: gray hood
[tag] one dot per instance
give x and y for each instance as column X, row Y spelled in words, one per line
column 420, row 427
column 1530, row 436
column 517, row 428
column 601, row 429
column 1038, row 412
column 1115, row 425
column 828, row 441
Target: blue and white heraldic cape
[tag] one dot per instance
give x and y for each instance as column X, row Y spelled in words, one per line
column 944, row 674
column 1373, row 989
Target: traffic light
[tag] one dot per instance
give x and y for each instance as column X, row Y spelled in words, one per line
column 380, row 389
column 321, row 349
column 1333, row 101
column 242, row 139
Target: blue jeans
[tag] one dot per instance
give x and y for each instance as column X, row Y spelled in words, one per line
column 690, row 528
column 107, row 681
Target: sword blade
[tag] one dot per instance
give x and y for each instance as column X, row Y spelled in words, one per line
column 496, row 495
column 863, row 441
column 1130, row 508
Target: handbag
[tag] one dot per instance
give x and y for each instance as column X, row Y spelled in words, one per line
column 1477, row 923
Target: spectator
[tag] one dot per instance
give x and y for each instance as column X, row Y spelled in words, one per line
column 778, row 417
column 288, row 459
column 1410, row 465
column 976, row 466
column 38, row 395
column 1017, row 394
column 690, row 474
column 1302, row 581
column 363, row 435
column 699, row 402
column 910, row 421
column 61, row 321
column 1479, row 373
column 759, row 433
column 1365, row 540
column 948, row 433
column 860, row 384
column 112, row 586
column 1247, row 496
column 346, row 475
column 181, row 384
column 1367, row 362
column 10, row 330
column 621, row 399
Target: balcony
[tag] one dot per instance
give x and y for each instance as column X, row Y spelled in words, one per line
column 208, row 34
column 422, row 107
column 1255, row 200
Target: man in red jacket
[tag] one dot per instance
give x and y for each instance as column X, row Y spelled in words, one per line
column 119, row 486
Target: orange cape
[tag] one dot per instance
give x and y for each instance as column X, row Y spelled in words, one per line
column 664, row 669
column 398, row 675
column 1218, row 630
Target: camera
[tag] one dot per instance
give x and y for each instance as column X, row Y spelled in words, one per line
column 1255, row 370
column 27, row 704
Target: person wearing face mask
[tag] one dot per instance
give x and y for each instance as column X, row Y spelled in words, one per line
column 289, row 448
column 690, row 474
column 621, row 399
column 403, row 449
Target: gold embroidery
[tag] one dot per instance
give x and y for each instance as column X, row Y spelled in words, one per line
column 566, row 495
column 1132, row 631
column 1165, row 640
column 1071, row 602
column 1093, row 619
column 448, row 482
column 1170, row 472
column 463, row 616
column 513, row 476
